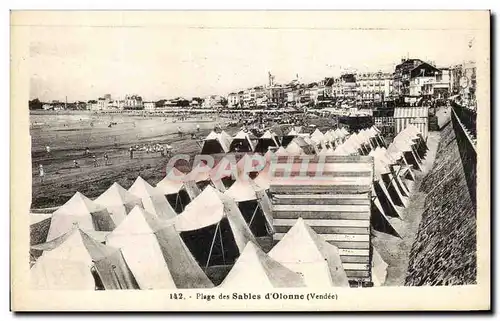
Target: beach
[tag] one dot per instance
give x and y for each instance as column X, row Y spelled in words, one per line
column 68, row 135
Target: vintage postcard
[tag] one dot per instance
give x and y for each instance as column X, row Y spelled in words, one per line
column 250, row 161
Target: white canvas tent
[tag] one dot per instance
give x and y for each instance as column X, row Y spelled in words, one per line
column 215, row 143
column 153, row 200
column 317, row 137
column 396, row 169
column 289, row 137
column 254, row 269
column 267, row 140
column 118, row 201
column 172, row 183
column 243, row 192
column 384, row 173
column 281, row 151
column 213, row 228
column 80, row 210
column 174, row 187
column 303, row 251
column 75, row 261
column 156, row 254
column 241, row 143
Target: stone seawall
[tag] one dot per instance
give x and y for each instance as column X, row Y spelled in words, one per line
column 444, row 251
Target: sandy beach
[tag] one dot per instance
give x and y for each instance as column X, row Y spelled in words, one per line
column 68, row 135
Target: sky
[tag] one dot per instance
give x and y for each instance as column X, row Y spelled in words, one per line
column 86, row 61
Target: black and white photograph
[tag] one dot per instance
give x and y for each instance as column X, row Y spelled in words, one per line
column 251, row 160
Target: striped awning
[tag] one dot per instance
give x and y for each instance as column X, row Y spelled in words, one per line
column 411, row 112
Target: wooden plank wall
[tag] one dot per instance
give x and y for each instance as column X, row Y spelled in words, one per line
column 337, row 208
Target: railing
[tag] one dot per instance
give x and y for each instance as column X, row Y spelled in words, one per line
column 467, row 118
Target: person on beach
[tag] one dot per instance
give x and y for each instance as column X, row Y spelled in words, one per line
column 106, row 159
column 75, row 164
column 131, row 151
column 95, row 161
column 198, row 128
column 179, row 131
column 47, row 148
column 87, row 151
column 41, row 173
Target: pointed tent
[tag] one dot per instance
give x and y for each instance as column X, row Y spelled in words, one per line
column 243, row 192
column 156, row 254
column 287, row 139
column 75, row 261
column 118, row 201
column 394, row 168
column 241, row 143
column 318, row 137
column 383, row 172
column 383, row 194
column 254, row 269
column 406, row 149
column 267, row 140
column 81, row 210
column 303, row 251
column 215, row 143
column 213, row 228
column 153, row 200
column 330, row 137
column 174, row 188
column 294, row 149
column 281, row 152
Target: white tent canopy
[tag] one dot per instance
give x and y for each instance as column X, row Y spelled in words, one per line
column 241, row 142
column 118, row 201
column 254, row 269
column 67, row 263
column 80, row 210
column 303, row 251
column 281, row 151
column 317, row 137
column 145, row 250
column 242, row 189
column 153, row 200
column 141, row 251
column 172, row 183
column 216, row 143
column 209, row 209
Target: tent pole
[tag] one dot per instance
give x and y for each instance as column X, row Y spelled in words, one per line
column 182, row 205
column 116, row 276
column 212, row 247
column 253, row 215
column 222, row 246
column 176, row 200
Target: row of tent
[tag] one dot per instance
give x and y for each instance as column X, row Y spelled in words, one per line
column 147, row 252
column 394, row 168
column 215, row 225
column 222, row 142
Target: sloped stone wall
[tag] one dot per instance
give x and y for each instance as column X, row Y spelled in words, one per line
column 444, row 251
